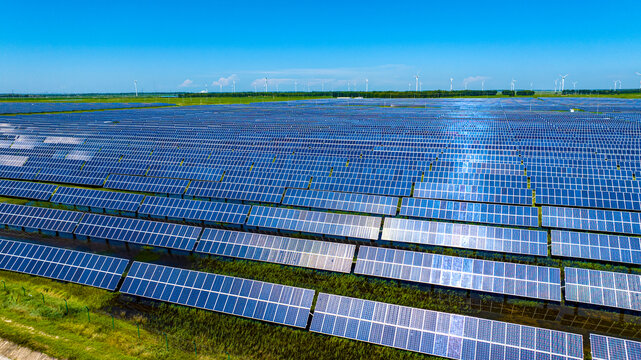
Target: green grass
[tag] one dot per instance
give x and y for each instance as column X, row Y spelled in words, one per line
column 187, row 101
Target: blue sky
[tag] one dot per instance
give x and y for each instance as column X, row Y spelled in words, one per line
column 81, row 46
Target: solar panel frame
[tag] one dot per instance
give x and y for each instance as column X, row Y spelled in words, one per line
column 194, row 210
column 467, row 236
column 108, row 200
column 363, row 203
column 62, row 264
column 342, row 225
column 280, row 304
column 313, row 254
column 603, row 288
column 603, row 247
column 27, row 190
column 530, row 281
column 32, row 218
column 611, row 348
column 439, row 334
column 137, row 231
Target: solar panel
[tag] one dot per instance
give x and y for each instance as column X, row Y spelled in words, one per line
column 473, row 193
column 372, row 204
column 142, row 232
column 352, row 226
column 603, row 288
column 611, row 248
column 194, row 210
column 591, row 199
column 252, row 299
column 592, row 220
column 439, row 334
column 97, row 199
column 365, row 186
column 479, row 237
column 33, row 218
column 27, row 190
column 530, row 281
column 470, row 212
column 62, row 264
column 277, row 249
column 611, row 348
column 147, row 184
column 233, row 191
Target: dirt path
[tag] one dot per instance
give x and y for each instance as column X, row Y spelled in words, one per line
column 9, row 350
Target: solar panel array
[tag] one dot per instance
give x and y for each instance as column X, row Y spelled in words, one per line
column 343, row 225
column 473, row 193
column 530, row 281
column 27, row 190
column 470, row 212
column 372, row 204
column 108, row 200
column 253, row 299
column 277, row 249
column 611, row 348
column 603, row 247
column 142, row 232
column 194, row 210
column 623, row 222
column 37, row 218
column 42, row 107
column 603, row 288
column 61, row 264
column 457, row 162
column 439, row 334
column 479, row 237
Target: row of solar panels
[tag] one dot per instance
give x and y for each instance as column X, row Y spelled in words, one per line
column 479, row 275
column 487, row 238
column 424, row 331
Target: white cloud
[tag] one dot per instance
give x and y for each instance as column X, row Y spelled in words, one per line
column 224, row 81
column 473, row 79
column 186, row 83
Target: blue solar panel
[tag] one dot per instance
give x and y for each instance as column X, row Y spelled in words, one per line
column 61, row 264
column 603, row 288
column 277, row 249
column 194, row 210
column 365, row 186
column 530, row 281
column 611, row 248
column 352, row 226
column 611, row 348
column 147, row 184
column 259, row 300
column 143, row 232
column 108, row 200
column 372, row 204
column 479, row 237
column 36, row 218
column 592, row 220
column 473, row 193
column 232, row 191
column 440, row 334
column 591, row 199
column 470, row 212
column 27, row 190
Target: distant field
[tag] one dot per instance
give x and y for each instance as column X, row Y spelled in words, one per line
column 158, row 99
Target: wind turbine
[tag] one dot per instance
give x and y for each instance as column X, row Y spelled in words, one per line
column 323, row 85
column 451, row 83
column 295, row 86
column 136, row 87
column 512, row 84
column 639, row 74
column 417, row 81
column 574, row 85
column 366, row 85
column 420, row 86
column 563, row 81
column 482, row 85
column 556, row 84
column 265, row 83
column 234, row 88
column 409, row 86
column 465, row 84
column 619, row 84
